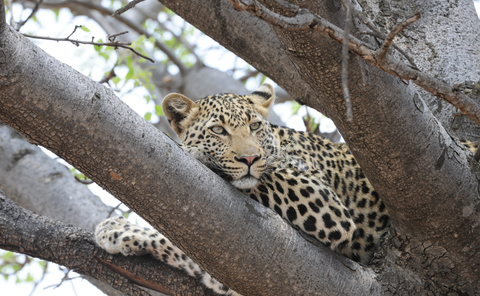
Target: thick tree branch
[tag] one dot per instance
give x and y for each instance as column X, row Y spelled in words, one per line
column 305, row 20
column 151, row 175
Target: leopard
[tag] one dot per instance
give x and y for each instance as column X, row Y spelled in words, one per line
column 313, row 183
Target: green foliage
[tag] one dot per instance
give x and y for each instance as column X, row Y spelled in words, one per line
column 19, row 267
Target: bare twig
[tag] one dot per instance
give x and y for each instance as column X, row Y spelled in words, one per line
column 85, row 182
column 34, row 10
column 348, row 27
column 249, row 74
column 115, row 44
column 126, row 7
column 381, row 36
column 386, row 44
column 364, row 71
column 305, row 20
column 110, row 75
column 112, row 38
column 113, row 210
column 168, row 52
column 134, row 278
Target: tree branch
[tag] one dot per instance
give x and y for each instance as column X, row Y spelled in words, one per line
column 348, row 27
column 34, row 10
column 112, row 43
column 126, row 7
column 305, row 20
column 382, row 52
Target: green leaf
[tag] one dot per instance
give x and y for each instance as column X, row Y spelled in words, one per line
column 57, row 13
column 295, row 107
column 29, row 278
column 84, row 29
column 129, row 74
column 148, row 116
column 115, row 80
column 158, row 110
column 263, row 79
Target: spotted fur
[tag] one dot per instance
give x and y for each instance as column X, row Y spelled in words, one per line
column 313, row 183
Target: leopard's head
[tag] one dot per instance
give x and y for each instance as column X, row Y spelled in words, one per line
column 226, row 132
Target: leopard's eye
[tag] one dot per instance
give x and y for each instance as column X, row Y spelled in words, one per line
column 218, row 130
column 255, row 126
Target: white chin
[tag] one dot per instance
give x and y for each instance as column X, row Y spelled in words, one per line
column 244, row 183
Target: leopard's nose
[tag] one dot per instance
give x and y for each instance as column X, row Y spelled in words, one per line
column 247, row 159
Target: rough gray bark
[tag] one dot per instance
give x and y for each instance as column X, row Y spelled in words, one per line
column 90, row 128
column 443, row 43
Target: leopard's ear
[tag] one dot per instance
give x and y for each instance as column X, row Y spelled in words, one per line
column 264, row 98
column 178, row 108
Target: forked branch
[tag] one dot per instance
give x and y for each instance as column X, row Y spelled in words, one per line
column 306, row 20
column 113, row 43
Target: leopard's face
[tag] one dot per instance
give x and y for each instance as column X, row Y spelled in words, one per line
column 228, row 133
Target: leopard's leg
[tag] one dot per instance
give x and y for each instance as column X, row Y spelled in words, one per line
column 117, row 235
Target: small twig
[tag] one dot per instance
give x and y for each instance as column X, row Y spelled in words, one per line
column 85, row 182
column 74, row 30
column 248, row 75
column 130, row 5
column 134, row 278
column 111, row 38
column 110, row 75
column 386, row 44
column 346, row 32
column 113, row 210
column 364, row 71
column 34, row 10
column 381, row 36
column 115, row 44
column 66, row 277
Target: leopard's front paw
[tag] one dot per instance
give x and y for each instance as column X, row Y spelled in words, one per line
column 117, row 235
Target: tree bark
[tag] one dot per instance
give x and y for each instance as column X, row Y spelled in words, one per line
column 98, row 134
